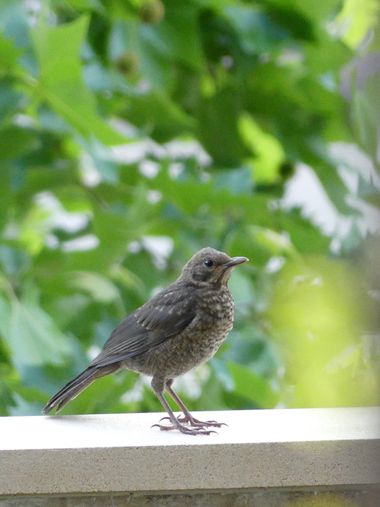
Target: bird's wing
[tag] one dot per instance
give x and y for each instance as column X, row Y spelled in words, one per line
column 164, row 316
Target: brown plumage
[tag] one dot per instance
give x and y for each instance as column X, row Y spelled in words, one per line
column 177, row 330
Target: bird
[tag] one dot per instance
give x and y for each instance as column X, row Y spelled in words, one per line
column 178, row 329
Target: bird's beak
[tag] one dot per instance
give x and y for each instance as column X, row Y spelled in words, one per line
column 235, row 261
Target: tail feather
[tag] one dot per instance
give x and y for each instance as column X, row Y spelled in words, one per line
column 76, row 386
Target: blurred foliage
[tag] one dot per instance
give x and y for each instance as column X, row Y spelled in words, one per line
column 134, row 132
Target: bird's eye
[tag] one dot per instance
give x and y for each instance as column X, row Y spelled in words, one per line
column 209, row 263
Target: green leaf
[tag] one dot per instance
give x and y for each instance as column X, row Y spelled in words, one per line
column 277, row 244
column 8, row 383
column 99, row 287
column 218, row 127
column 366, row 111
column 180, row 26
column 357, row 17
column 31, row 334
column 257, row 32
column 158, row 114
column 249, row 385
column 306, row 237
column 267, row 150
column 313, row 11
column 14, row 141
column 61, row 83
column 8, row 54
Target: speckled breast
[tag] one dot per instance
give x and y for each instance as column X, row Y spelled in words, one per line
column 198, row 343
column 215, row 313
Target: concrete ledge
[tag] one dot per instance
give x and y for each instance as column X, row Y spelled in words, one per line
column 121, row 453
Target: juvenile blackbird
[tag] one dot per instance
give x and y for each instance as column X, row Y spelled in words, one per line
column 178, row 329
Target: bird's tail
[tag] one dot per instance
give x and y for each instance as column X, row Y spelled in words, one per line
column 76, row 386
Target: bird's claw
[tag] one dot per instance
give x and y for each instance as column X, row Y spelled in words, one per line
column 183, row 429
column 195, row 423
column 163, row 427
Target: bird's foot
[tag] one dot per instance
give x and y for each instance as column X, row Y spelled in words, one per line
column 183, row 429
column 196, row 423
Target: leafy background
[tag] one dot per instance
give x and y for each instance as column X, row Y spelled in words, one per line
column 134, row 132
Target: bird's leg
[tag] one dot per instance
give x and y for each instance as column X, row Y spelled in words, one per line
column 188, row 418
column 158, row 387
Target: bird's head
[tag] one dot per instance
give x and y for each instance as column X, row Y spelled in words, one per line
column 210, row 266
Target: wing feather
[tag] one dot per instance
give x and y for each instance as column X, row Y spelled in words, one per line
column 164, row 316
